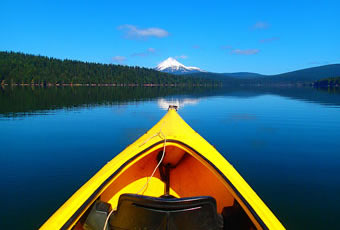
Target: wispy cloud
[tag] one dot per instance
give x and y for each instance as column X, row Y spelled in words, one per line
column 245, row 51
column 196, row 47
column 226, row 47
column 267, row 40
column 260, row 25
column 145, row 53
column 152, row 50
column 181, row 57
column 119, row 59
column 240, row 51
column 133, row 32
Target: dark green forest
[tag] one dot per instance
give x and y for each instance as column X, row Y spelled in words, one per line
column 328, row 82
column 20, row 68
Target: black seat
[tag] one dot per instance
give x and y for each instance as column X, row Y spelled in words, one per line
column 235, row 218
column 144, row 212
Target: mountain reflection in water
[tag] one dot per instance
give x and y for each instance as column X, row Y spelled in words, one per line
column 19, row 101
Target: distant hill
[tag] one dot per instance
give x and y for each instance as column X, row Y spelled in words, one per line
column 303, row 76
column 244, row 75
column 308, row 75
column 19, row 68
column 217, row 77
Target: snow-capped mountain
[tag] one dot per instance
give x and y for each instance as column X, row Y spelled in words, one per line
column 171, row 65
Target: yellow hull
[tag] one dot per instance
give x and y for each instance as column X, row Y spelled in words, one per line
column 200, row 171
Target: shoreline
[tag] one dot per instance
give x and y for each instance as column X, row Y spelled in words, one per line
column 115, row 85
column 168, row 85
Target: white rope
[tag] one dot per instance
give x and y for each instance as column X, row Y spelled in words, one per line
column 154, row 171
column 159, row 163
column 157, row 134
column 107, row 219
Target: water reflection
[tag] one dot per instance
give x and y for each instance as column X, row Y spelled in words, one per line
column 285, row 148
column 24, row 101
column 180, row 103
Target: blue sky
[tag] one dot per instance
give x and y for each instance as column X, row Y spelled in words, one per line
column 220, row 36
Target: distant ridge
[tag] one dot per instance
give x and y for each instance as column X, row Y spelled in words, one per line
column 243, row 75
column 308, row 74
column 303, row 76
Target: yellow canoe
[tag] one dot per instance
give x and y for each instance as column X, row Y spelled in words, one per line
column 170, row 178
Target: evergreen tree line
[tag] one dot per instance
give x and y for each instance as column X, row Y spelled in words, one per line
column 328, row 82
column 20, row 68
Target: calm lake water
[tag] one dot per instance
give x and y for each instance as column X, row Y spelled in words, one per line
column 285, row 142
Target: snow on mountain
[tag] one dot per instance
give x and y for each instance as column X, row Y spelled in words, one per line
column 171, row 65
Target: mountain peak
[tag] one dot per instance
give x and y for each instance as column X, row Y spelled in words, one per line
column 171, row 65
column 169, row 62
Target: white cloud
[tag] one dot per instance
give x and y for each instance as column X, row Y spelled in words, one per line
column 147, row 52
column 181, row 57
column 260, row 25
column 132, row 32
column 226, row 47
column 119, row 59
column 245, row 51
column 267, row 40
column 240, row 51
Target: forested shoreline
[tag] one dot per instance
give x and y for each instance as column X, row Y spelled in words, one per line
column 25, row 69
column 328, row 82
